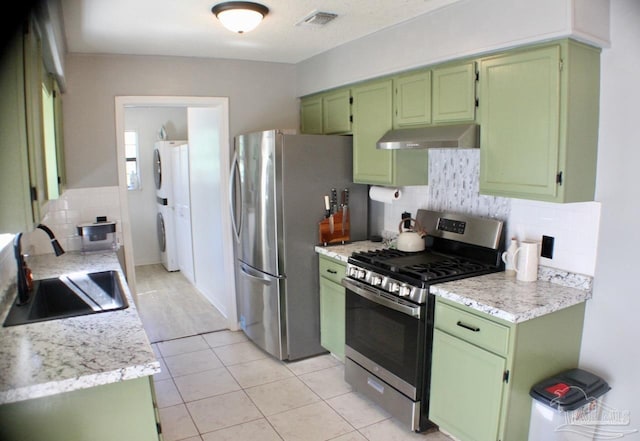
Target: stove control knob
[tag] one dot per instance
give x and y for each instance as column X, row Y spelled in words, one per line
column 360, row 273
column 376, row 280
column 404, row 291
column 394, row 287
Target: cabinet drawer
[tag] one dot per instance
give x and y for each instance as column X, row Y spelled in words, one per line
column 477, row 330
column 332, row 269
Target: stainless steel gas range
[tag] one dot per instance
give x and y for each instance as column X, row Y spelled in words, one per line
column 389, row 311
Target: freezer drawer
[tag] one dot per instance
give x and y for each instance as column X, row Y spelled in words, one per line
column 259, row 308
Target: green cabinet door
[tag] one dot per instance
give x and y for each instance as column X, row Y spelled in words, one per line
column 332, row 310
column 311, row 115
column 372, row 118
column 466, row 388
column 336, row 108
column 16, row 210
column 332, row 306
column 454, row 93
column 412, row 99
column 520, row 109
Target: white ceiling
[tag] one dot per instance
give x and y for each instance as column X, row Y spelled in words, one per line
column 187, row 27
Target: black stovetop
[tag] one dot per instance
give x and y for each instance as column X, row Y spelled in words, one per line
column 421, row 267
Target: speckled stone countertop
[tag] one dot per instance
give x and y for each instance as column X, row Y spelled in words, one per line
column 498, row 294
column 51, row 357
column 342, row 252
column 502, row 296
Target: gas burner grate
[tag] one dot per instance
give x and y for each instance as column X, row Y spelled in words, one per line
column 381, row 255
column 443, row 269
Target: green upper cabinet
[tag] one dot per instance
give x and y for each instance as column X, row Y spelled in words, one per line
column 373, row 117
column 311, row 115
column 336, row 112
column 412, row 105
column 539, row 122
column 454, row 93
column 16, row 209
column 327, row 113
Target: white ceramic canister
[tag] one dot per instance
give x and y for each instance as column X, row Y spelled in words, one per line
column 526, row 258
column 509, row 256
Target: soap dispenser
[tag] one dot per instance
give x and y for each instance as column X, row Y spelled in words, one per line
column 509, row 255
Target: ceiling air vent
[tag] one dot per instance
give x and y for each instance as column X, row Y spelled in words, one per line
column 317, row 18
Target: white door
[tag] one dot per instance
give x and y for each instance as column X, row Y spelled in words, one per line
column 182, row 207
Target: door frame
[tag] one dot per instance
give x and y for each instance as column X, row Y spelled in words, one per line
column 121, row 103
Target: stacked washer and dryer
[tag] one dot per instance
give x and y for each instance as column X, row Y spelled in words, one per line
column 165, row 219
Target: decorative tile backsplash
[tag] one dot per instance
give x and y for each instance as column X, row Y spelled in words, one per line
column 454, row 179
column 454, row 182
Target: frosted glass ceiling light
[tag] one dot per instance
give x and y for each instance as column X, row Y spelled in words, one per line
column 240, row 17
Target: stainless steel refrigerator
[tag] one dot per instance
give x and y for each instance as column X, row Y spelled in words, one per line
column 278, row 186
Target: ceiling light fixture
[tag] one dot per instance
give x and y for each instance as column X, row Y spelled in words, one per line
column 240, row 17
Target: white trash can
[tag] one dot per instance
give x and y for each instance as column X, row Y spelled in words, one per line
column 566, row 407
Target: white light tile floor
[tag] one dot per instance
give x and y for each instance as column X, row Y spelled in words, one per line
column 171, row 307
column 221, row 387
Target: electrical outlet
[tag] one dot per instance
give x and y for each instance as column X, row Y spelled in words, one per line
column 407, row 223
column 547, row 247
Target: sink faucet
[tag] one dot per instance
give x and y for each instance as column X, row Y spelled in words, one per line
column 54, row 242
column 23, row 283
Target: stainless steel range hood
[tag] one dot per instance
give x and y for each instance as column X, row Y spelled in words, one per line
column 449, row 136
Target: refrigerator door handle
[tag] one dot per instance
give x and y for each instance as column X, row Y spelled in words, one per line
column 232, row 179
column 259, row 279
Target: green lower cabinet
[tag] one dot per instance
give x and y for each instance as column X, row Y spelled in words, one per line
column 483, row 368
column 468, row 383
column 117, row 411
column 332, row 306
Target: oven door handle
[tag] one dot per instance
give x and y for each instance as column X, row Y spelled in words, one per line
column 374, row 296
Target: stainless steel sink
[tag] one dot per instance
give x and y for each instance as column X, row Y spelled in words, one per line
column 70, row 295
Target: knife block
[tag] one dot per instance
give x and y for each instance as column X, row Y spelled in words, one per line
column 327, row 236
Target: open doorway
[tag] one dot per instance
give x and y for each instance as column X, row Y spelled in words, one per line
column 209, row 157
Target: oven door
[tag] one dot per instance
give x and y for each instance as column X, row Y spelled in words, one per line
column 386, row 336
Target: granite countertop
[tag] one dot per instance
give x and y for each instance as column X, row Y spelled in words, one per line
column 497, row 294
column 502, row 296
column 342, row 252
column 51, row 357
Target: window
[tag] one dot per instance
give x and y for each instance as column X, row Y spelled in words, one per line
column 131, row 154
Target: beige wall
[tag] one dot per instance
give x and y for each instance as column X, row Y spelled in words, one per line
column 261, row 96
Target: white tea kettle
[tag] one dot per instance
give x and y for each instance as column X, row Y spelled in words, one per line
column 412, row 240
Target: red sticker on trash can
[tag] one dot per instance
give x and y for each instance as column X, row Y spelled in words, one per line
column 558, row 389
